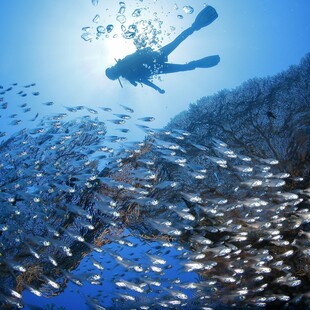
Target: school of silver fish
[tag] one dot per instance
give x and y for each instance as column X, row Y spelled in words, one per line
column 165, row 223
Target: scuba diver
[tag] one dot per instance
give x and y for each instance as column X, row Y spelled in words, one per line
column 140, row 66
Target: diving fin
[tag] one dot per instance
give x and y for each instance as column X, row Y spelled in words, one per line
column 206, row 62
column 205, row 17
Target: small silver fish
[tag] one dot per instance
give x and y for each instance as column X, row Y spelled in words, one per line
column 147, row 119
column 106, row 109
column 130, row 110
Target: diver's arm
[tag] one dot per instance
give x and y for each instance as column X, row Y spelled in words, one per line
column 152, row 85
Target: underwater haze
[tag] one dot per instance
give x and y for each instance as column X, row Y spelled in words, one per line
column 120, row 196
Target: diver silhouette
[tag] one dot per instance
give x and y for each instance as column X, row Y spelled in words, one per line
column 142, row 65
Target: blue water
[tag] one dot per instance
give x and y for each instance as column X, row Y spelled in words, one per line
column 53, row 59
column 105, row 290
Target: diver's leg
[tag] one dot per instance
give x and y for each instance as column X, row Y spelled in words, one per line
column 203, row 19
column 169, row 48
column 206, row 62
column 172, row 68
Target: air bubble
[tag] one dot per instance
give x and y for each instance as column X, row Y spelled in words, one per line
column 96, row 19
column 188, row 9
column 136, row 13
column 100, row 30
column 110, row 28
column 86, row 29
column 86, row 36
column 121, row 19
column 121, row 10
column 132, row 28
column 129, row 35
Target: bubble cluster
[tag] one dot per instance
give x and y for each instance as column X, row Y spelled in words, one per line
column 139, row 24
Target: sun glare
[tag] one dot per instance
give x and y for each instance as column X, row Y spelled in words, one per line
column 117, row 48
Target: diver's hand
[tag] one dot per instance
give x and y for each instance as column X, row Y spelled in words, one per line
column 150, row 84
column 134, row 83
